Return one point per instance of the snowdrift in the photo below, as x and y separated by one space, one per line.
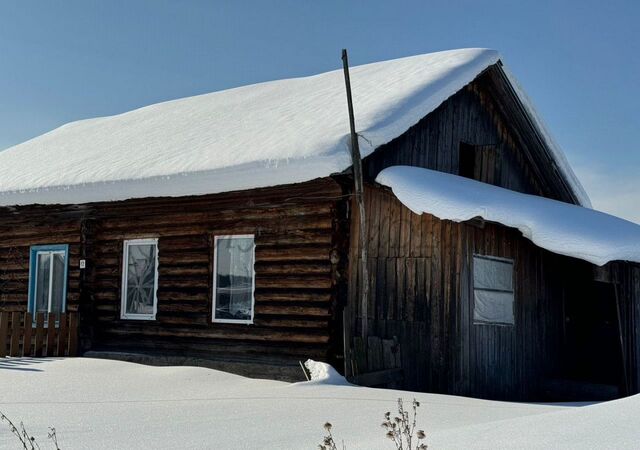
103 404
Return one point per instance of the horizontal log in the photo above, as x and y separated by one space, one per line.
263 268
261 295
182 296
297 193
264 254
257 351
219 228
291 282
291 323
291 296
292 310
189 271
235 332
185 219
30 228
45 238
188 315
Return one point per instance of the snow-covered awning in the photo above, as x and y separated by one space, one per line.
278 132
560 227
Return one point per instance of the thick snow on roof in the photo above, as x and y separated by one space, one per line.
261 135
556 226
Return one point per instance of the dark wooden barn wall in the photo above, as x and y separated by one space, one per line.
420 292
299 234
476 115
633 298
626 276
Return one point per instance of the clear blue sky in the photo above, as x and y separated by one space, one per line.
578 60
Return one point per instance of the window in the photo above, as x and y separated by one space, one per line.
493 290
467 161
233 279
140 279
478 162
48 279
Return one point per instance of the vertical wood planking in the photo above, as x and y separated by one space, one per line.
426 302
16 328
4 331
39 334
73 335
63 335
26 341
51 335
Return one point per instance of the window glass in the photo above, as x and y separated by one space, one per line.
48 271
492 274
493 291
139 284
234 278
43 272
57 281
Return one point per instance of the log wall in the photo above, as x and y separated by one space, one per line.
300 236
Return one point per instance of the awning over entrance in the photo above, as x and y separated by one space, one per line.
559 227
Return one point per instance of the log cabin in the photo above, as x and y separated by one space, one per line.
222 230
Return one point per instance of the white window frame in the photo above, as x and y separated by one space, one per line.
513 291
125 261
215 277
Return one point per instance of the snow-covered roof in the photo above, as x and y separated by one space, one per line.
261 135
560 227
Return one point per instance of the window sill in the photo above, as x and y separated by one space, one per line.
239 322
495 324
137 317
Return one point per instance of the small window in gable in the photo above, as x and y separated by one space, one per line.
139 279
493 292
467 161
478 162
48 279
233 279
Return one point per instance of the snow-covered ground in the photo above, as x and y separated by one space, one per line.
100 404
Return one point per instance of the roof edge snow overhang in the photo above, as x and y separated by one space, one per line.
559 227
102 182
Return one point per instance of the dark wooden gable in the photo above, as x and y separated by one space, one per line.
484 130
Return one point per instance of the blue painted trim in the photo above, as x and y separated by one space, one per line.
34 250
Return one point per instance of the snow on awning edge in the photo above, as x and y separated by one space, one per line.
559 227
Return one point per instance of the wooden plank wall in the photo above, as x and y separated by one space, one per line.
480 115
300 246
634 329
627 277
421 293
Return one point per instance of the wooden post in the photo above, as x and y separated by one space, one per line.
62 335
15 334
623 353
26 340
359 196
73 334
51 334
4 330
39 334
